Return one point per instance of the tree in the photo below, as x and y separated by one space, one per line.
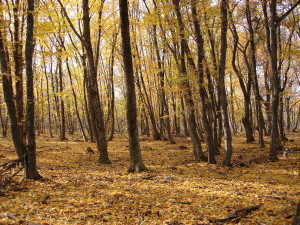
188 97
136 162
272 43
223 48
26 154
31 169
205 102
253 72
94 104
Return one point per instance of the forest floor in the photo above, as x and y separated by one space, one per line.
176 190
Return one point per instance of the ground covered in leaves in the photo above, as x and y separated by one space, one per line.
176 190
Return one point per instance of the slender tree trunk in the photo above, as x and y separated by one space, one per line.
4 122
233 122
176 127
218 127
288 113
214 113
205 102
281 120
18 61
136 162
95 107
246 87
31 172
76 104
267 103
62 135
164 111
275 142
224 104
297 119
184 119
112 88
260 118
147 100
86 103
188 97
8 94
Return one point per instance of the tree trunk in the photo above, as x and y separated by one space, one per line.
224 104
246 87
188 97
48 100
4 122
8 94
147 99
18 61
31 170
62 135
288 113
205 102
275 142
136 162
95 107
214 113
86 103
259 115
76 104
112 88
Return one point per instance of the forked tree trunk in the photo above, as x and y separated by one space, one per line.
136 162
205 102
188 97
8 93
259 115
246 87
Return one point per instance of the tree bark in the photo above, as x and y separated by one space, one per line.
259 115
275 142
136 162
76 104
246 87
205 102
62 135
224 104
95 107
188 97
31 170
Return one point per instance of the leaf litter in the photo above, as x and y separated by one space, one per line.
175 190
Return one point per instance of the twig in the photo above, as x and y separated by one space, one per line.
20 221
240 213
279 197
149 177
184 203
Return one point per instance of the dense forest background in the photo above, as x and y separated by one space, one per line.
203 69
216 73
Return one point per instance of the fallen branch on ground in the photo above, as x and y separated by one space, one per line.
10 216
7 172
239 213
279 197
